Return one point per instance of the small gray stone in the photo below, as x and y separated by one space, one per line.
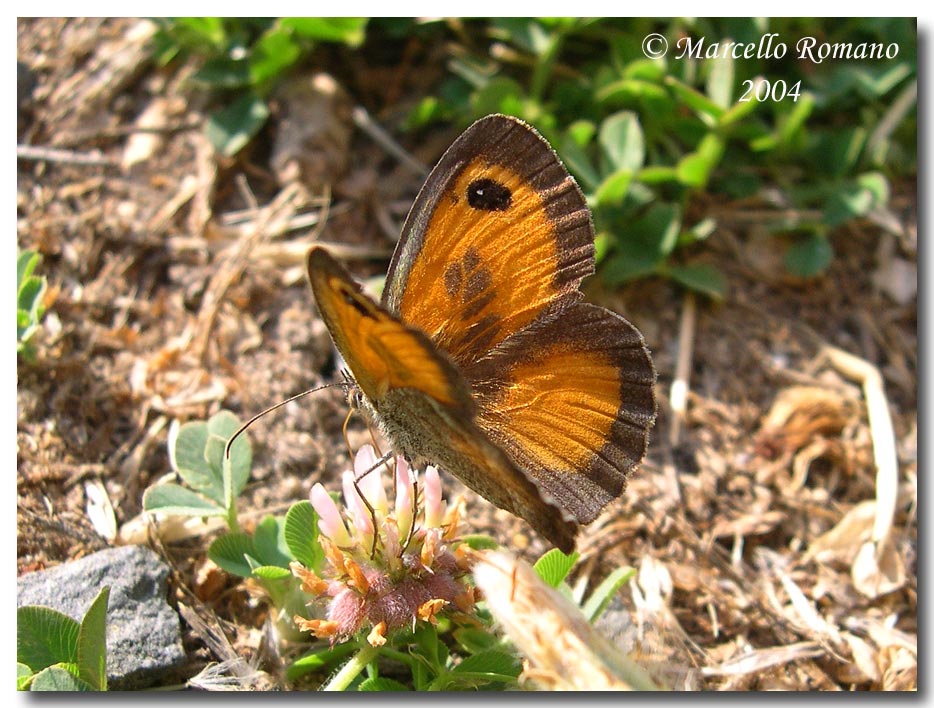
143 635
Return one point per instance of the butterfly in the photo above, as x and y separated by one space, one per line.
481 358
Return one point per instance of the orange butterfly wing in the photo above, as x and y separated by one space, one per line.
571 401
483 361
381 351
499 235
422 401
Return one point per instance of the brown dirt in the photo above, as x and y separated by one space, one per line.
172 295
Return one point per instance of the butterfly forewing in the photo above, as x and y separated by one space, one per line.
499 236
382 352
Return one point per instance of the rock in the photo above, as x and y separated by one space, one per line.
143 633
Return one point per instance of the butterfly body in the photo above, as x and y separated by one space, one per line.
481 359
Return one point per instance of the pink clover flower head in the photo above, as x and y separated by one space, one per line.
385 568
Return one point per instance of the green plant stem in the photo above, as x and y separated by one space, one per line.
232 522
349 671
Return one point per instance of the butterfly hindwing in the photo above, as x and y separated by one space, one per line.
570 400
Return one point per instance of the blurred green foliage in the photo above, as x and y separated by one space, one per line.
30 305
246 58
646 138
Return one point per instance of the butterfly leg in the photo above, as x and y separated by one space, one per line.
369 507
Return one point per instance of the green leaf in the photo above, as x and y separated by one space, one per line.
45 637
475 640
479 542
613 189
231 128
29 307
56 678
605 591
630 91
554 566
601 244
694 169
846 202
622 142
430 647
658 174
301 535
581 133
700 277
206 31
706 109
579 164
230 551
170 498
855 198
381 683
238 466
526 33
269 542
735 113
224 73
472 70
272 54
188 455
624 267
271 572
29 291
30 297
347 30
235 470
493 664
790 127
23 676
26 262
92 643
837 151
875 82
646 69
659 228
810 256
877 185
499 95
222 425
428 110
319 659
720 80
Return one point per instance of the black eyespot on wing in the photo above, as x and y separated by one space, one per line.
488 195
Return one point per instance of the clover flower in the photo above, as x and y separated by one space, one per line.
386 568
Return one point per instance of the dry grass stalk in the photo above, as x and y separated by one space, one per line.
564 651
878 568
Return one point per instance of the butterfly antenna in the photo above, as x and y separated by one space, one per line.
272 408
